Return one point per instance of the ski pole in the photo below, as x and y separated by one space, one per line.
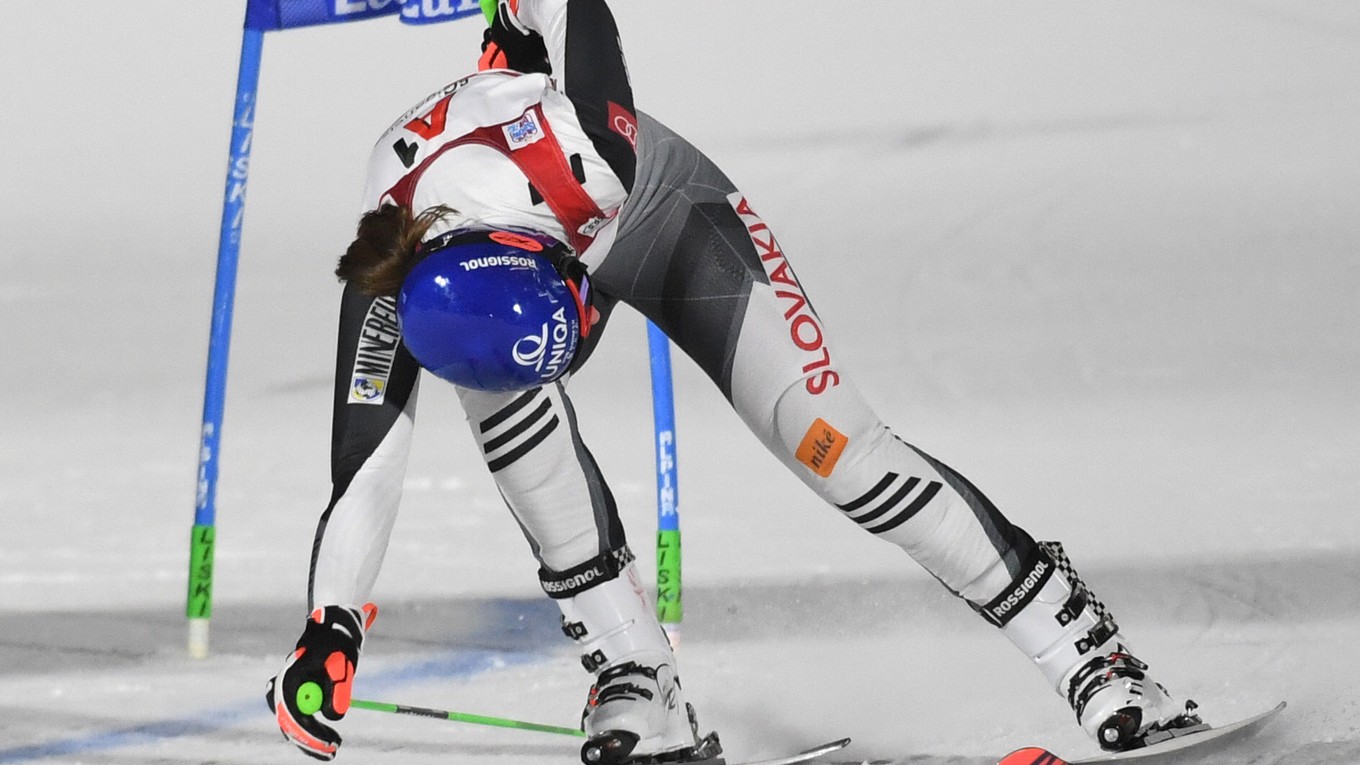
463 717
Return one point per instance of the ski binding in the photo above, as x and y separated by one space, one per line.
709 752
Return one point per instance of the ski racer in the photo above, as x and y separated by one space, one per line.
505 216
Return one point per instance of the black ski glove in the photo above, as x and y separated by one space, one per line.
505 47
318 678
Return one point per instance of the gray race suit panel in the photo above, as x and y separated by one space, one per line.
692 257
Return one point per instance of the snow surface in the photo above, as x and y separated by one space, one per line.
1104 258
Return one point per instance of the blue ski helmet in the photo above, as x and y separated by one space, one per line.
495 310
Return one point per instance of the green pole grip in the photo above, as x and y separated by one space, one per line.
669 607
199 603
489 10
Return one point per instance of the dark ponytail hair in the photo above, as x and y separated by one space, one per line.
386 248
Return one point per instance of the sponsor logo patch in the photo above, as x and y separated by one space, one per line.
523 132
378 341
367 390
550 350
564 584
592 227
495 261
821 447
1008 604
623 122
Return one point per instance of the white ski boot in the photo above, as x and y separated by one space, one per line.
635 712
1077 646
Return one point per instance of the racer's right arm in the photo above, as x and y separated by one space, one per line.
375 401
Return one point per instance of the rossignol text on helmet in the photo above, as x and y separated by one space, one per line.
495 310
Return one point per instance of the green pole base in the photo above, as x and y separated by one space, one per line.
669 605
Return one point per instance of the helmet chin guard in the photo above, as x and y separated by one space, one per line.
495 310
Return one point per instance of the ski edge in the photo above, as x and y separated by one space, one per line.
806 755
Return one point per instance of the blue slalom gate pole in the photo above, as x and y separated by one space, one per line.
261 16
669 606
198 608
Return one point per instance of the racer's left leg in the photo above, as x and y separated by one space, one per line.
694 257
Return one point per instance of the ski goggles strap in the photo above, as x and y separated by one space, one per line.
573 272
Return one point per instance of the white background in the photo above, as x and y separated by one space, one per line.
1104 259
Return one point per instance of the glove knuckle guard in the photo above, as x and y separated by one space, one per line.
326 655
